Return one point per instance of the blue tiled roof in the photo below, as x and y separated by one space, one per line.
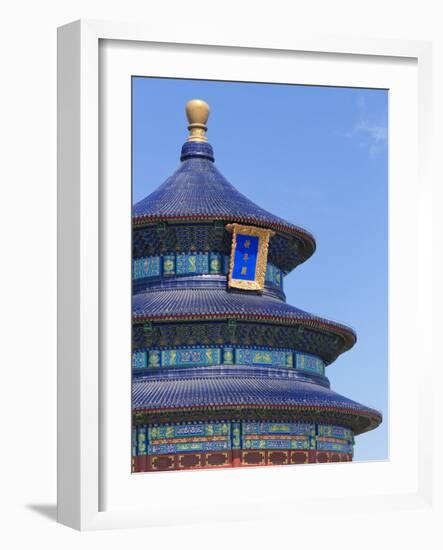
212 303
230 391
197 190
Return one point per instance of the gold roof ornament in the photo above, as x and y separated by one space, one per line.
197 112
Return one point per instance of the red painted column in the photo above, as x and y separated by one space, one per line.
236 458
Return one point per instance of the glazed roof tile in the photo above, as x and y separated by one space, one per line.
242 391
198 191
197 188
193 303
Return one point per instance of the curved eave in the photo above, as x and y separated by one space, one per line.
207 305
287 230
348 336
366 420
249 395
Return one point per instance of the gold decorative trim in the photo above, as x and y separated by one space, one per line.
279 451
225 464
262 255
196 455
296 454
156 458
254 452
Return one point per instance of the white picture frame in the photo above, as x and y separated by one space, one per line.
94 495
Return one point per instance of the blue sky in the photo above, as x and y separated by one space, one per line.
316 156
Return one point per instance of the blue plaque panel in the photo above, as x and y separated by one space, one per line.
245 257
249 256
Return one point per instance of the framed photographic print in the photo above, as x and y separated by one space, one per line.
207 367
226 373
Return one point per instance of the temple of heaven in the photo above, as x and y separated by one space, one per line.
225 372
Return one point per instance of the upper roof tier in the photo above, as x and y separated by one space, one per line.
198 192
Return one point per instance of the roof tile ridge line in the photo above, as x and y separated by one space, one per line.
151 378
362 409
292 320
138 219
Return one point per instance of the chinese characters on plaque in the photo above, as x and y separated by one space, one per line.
249 256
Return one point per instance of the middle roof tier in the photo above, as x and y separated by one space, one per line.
217 304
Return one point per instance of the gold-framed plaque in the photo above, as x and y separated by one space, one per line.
249 256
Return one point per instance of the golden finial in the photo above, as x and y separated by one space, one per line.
197 112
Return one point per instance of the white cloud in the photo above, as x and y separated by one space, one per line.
372 134
376 132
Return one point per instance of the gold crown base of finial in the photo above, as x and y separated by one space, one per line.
197 132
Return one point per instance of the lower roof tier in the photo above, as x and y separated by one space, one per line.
201 304
161 399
